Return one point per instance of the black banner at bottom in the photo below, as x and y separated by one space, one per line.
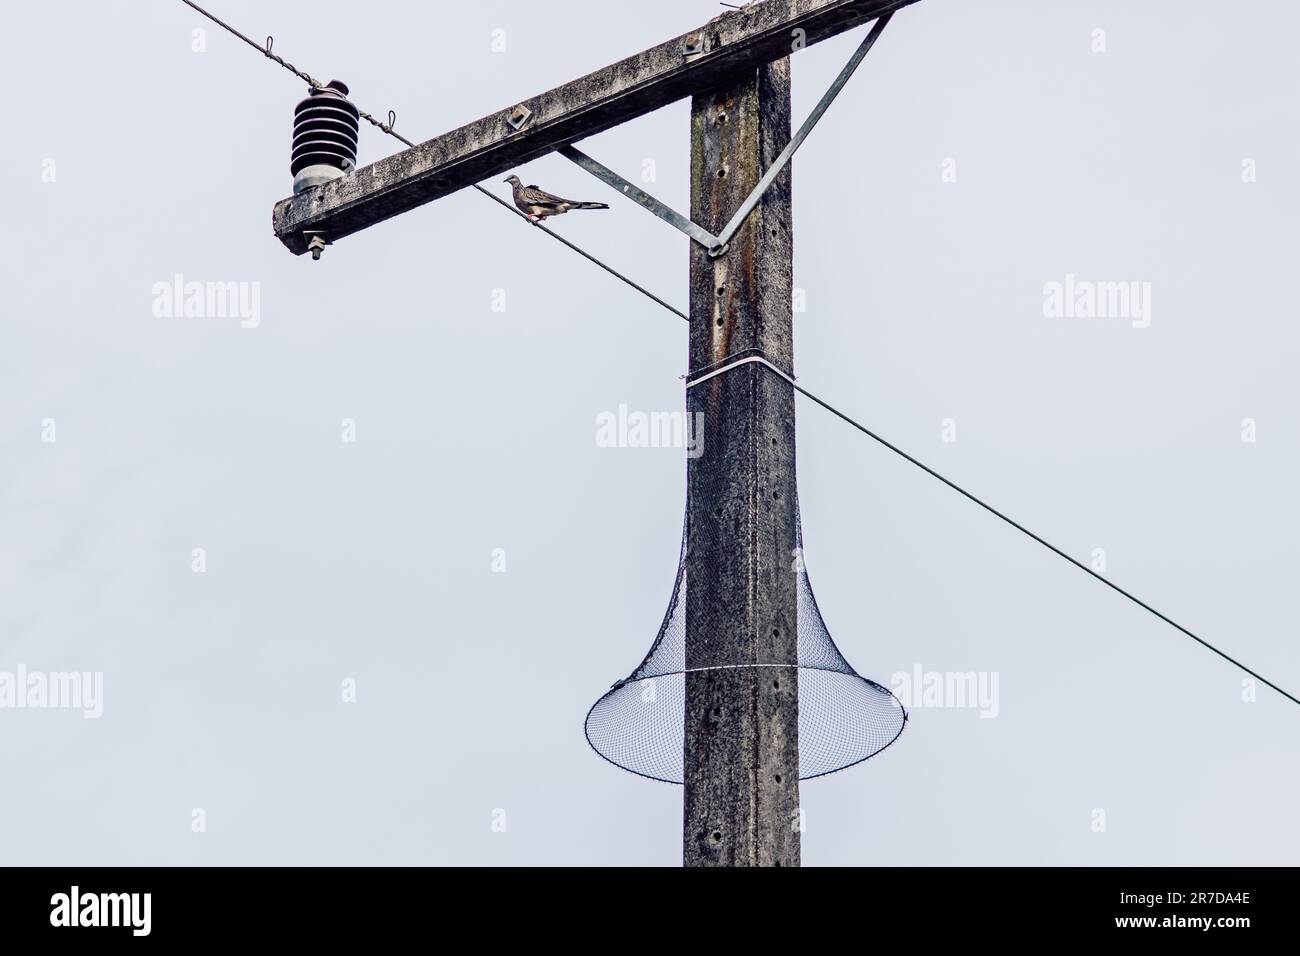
337 906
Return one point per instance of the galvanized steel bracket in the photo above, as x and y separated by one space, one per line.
719 244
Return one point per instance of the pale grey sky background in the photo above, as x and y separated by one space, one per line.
476 430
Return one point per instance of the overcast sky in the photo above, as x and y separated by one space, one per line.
1160 152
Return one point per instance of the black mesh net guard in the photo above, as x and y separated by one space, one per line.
844 718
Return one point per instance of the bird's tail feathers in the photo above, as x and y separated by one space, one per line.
590 205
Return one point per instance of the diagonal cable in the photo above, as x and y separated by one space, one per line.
1046 544
755 356
387 127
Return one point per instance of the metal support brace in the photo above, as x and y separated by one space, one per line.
638 195
718 245
823 104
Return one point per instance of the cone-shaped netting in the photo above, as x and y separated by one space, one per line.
844 718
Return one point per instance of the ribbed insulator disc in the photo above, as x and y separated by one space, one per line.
325 131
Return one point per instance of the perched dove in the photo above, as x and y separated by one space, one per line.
538 204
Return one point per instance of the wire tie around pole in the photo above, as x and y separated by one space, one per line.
735 362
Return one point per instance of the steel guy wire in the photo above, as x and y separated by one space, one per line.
746 358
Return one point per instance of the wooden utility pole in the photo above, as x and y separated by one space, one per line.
742 722
741 741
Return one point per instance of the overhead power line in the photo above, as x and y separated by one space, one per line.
1046 544
721 368
267 51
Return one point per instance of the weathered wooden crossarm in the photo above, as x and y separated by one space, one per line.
727 45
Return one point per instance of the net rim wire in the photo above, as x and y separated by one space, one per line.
586 721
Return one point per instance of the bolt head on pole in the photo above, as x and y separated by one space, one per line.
316 246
